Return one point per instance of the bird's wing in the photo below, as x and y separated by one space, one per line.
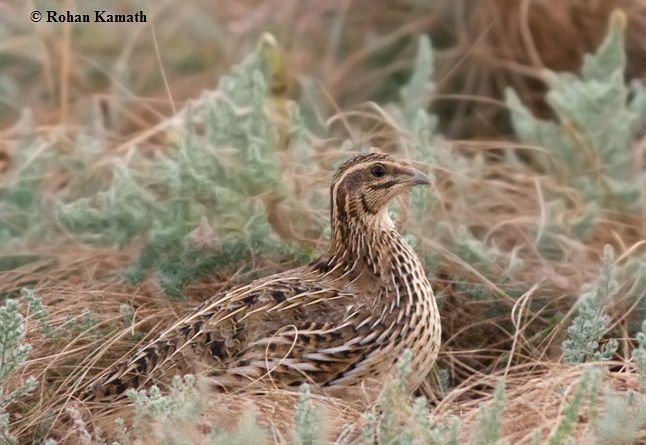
232 325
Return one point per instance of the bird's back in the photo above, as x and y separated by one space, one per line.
277 325
290 328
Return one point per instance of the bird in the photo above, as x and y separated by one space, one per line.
346 317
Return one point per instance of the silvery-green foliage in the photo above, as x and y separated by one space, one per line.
128 319
368 429
412 115
88 320
488 432
622 417
151 401
417 93
247 431
224 163
398 420
606 283
639 356
123 433
555 226
127 314
26 200
634 273
20 187
445 432
37 311
6 438
632 276
420 414
113 216
585 333
423 150
588 385
13 353
309 422
587 329
590 145
394 406
183 402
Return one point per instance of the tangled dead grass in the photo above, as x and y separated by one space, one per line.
481 50
536 396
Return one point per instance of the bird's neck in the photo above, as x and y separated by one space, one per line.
368 244
364 242
359 241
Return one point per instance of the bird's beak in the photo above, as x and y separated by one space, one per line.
418 178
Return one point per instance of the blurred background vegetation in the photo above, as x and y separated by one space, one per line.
144 167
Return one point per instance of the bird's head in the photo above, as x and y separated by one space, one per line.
365 184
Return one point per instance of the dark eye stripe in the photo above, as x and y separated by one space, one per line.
383 185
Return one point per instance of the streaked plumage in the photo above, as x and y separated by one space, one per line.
343 318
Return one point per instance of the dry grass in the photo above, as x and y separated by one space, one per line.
482 48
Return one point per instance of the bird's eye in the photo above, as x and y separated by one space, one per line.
378 170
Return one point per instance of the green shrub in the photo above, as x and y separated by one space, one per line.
13 353
37 311
181 406
587 386
488 432
397 419
26 198
589 326
623 416
639 356
201 205
632 276
309 422
591 144
247 431
21 194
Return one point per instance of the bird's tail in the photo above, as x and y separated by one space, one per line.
139 368
134 372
